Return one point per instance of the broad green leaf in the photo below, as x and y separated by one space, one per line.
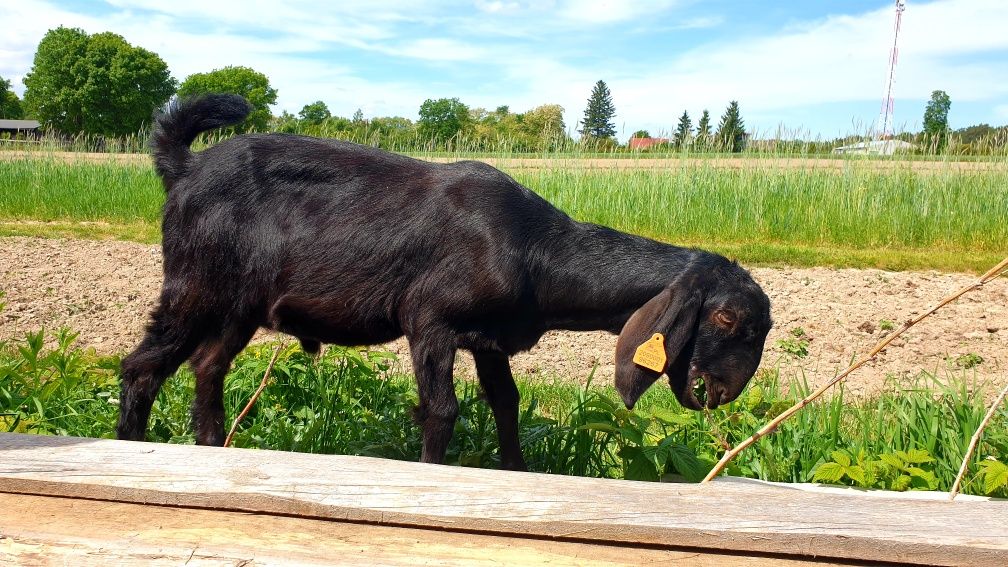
900 483
916 456
856 473
639 467
671 417
841 457
829 473
604 427
892 460
685 462
995 475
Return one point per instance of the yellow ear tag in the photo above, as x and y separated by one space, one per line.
651 353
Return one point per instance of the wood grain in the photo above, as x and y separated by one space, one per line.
46 530
722 515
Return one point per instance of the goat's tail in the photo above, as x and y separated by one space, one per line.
177 126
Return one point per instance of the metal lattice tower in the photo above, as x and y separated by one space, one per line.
885 121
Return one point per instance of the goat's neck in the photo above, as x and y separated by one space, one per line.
594 278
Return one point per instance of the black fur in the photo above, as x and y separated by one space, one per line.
334 242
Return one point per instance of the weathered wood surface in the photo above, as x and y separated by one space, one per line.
723 515
46 530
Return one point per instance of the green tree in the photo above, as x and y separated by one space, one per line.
703 132
731 131
315 113
97 84
936 119
358 116
684 131
443 119
249 83
10 104
599 114
641 134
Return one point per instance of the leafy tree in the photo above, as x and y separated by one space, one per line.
10 104
358 116
315 113
286 122
443 119
598 116
936 118
703 133
97 84
641 134
684 131
249 83
545 120
731 131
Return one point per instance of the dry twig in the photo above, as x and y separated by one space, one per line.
770 427
974 441
255 396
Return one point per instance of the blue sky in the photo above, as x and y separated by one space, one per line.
816 68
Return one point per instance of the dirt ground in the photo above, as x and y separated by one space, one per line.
105 289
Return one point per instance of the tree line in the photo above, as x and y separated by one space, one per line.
101 85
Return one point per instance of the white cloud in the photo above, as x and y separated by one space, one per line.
612 11
839 59
533 56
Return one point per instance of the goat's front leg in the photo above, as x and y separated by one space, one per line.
498 384
433 356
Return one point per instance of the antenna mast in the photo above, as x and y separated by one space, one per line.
886 114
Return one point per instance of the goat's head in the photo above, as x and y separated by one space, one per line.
713 321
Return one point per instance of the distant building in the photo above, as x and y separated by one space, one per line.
877 147
27 128
646 143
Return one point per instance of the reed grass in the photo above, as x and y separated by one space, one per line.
943 217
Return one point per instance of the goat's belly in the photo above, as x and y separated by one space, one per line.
307 318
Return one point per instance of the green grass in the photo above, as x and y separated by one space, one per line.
858 216
356 402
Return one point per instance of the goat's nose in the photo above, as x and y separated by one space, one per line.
716 395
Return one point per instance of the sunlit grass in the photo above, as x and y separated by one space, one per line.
349 401
898 217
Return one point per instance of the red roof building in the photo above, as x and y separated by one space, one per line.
646 143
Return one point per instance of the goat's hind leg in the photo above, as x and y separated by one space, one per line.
168 342
211 363
433 356
498 384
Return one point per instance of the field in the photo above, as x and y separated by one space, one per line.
886 214
777 213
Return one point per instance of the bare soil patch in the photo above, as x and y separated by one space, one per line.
104 290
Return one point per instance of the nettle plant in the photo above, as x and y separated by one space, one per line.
900 470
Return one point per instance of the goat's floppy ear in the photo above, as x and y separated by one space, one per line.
673 313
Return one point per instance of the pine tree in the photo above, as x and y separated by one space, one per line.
703 133
684 131
598 115
731 132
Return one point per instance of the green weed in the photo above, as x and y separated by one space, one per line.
352 401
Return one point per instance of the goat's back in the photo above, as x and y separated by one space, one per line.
260 216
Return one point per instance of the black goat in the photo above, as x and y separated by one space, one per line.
334 242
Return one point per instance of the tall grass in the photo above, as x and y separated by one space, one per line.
356 402
51 189
899 216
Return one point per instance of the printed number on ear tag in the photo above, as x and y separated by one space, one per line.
651 353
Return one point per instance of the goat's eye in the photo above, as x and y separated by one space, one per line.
724 318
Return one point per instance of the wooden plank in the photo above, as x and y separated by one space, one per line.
46 530
724 515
